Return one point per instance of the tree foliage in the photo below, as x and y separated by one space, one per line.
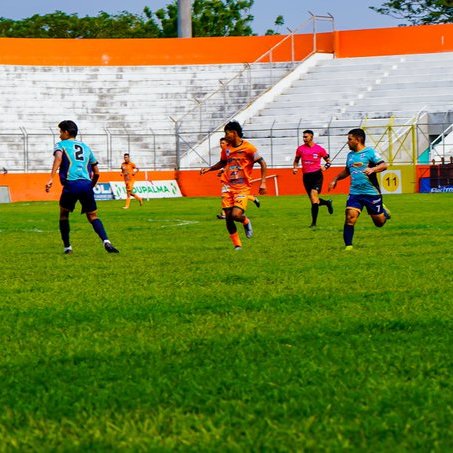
419 12
209 18
279 22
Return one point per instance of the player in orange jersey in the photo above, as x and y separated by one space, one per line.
251 197
128 172
237 159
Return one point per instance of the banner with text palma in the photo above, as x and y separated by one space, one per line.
147 189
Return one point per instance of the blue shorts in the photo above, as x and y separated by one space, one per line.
373 203
79 190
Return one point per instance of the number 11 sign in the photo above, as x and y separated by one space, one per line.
390 181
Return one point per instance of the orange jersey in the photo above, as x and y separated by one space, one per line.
240 161
128 171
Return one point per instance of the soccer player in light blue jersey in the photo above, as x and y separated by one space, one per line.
362 164
79 173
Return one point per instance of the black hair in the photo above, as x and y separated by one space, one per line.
308 131
234 126
358 133
223 139
69 126
126 154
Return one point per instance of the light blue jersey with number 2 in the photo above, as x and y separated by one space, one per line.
76 161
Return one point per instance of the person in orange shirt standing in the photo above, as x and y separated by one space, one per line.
128 172
251 197
237 159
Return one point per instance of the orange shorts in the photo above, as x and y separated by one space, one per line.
129 186
231 199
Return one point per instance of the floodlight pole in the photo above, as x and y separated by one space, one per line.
184 18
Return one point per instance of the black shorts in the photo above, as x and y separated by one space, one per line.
79 190
313 181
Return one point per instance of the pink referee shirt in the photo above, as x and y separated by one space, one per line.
311 157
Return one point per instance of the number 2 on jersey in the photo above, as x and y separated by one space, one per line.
79 152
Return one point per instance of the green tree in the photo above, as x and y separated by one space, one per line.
419 12
62 25
209 18
279 22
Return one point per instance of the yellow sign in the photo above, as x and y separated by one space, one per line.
391 181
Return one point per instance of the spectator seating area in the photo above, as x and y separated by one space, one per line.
118 109
138 108
341 94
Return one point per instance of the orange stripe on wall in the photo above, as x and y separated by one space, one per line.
31 186
220 50
192 184
164 51
394 41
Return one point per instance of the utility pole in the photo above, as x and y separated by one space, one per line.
184 18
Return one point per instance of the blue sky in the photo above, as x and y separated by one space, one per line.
348 14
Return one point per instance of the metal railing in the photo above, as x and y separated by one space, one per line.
31 151
232 95
26 151
397 142
439 148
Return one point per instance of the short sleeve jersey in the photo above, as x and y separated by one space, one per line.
127 169
77 159
311 157
239 167
357 162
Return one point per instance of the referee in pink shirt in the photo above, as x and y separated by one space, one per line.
310 155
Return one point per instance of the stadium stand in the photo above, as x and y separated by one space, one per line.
165 101
337 95
132 105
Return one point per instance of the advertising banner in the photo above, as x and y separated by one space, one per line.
442 189
147 189
103 191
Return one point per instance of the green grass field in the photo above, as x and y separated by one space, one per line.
180 343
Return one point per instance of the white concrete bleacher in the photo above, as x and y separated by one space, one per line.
118 109
336 96
130 109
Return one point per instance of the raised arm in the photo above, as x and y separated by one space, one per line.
382 166
55 166
220 164
328 163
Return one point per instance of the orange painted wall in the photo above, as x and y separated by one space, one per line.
174 51
394 41
30 187
192 184
166 51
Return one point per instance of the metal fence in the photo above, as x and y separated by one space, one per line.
245 86
398 143
29 151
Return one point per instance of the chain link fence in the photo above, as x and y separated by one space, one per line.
398 143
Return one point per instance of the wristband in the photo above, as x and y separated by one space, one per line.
327 165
